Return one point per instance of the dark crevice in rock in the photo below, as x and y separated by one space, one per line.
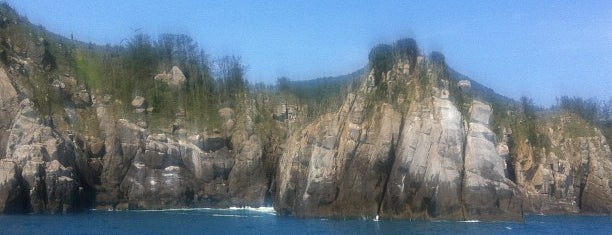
583 181
388 168
21 203
511 168
462 203
270 169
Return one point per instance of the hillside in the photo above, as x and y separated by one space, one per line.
157 123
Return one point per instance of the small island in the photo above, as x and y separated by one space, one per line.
156 123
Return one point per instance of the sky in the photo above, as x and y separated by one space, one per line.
539 49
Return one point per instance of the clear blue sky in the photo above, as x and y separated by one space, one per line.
541 49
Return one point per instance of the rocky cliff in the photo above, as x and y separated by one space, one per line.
411 141
572 174
48 170
413 157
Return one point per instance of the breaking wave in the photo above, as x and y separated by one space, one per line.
268 210
470 221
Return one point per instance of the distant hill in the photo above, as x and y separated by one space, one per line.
324 87
481 91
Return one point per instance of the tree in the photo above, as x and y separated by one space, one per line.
230 76
283 84
587 109
177 49
529 108
407 47
528 127
606 109
141 59
203 80
381 60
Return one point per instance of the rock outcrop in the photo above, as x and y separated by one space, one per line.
338 166
45 161
425 163
487 189
426 180
11 193
143 170
572 175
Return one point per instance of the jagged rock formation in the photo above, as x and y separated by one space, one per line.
487 188
423 163
45 162
410 142
143 170
573 175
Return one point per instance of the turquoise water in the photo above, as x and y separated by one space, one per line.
264 221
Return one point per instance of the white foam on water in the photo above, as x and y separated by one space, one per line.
470 221
269 210
172 209
224 215
264 210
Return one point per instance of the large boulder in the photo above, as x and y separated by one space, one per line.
177 76
139 104
174 78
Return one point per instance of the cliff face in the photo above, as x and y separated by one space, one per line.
572 175
40 166
46 170
425 162
406 144
143 170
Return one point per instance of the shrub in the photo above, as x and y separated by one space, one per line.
408 48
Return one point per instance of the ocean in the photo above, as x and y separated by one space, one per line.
265 221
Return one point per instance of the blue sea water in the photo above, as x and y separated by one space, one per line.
265 221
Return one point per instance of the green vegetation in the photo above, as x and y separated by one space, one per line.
407 49
396 90
89 67
383 56
578 128
606 129
123 72
501 114
381 61
597 113
527 128
585 108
